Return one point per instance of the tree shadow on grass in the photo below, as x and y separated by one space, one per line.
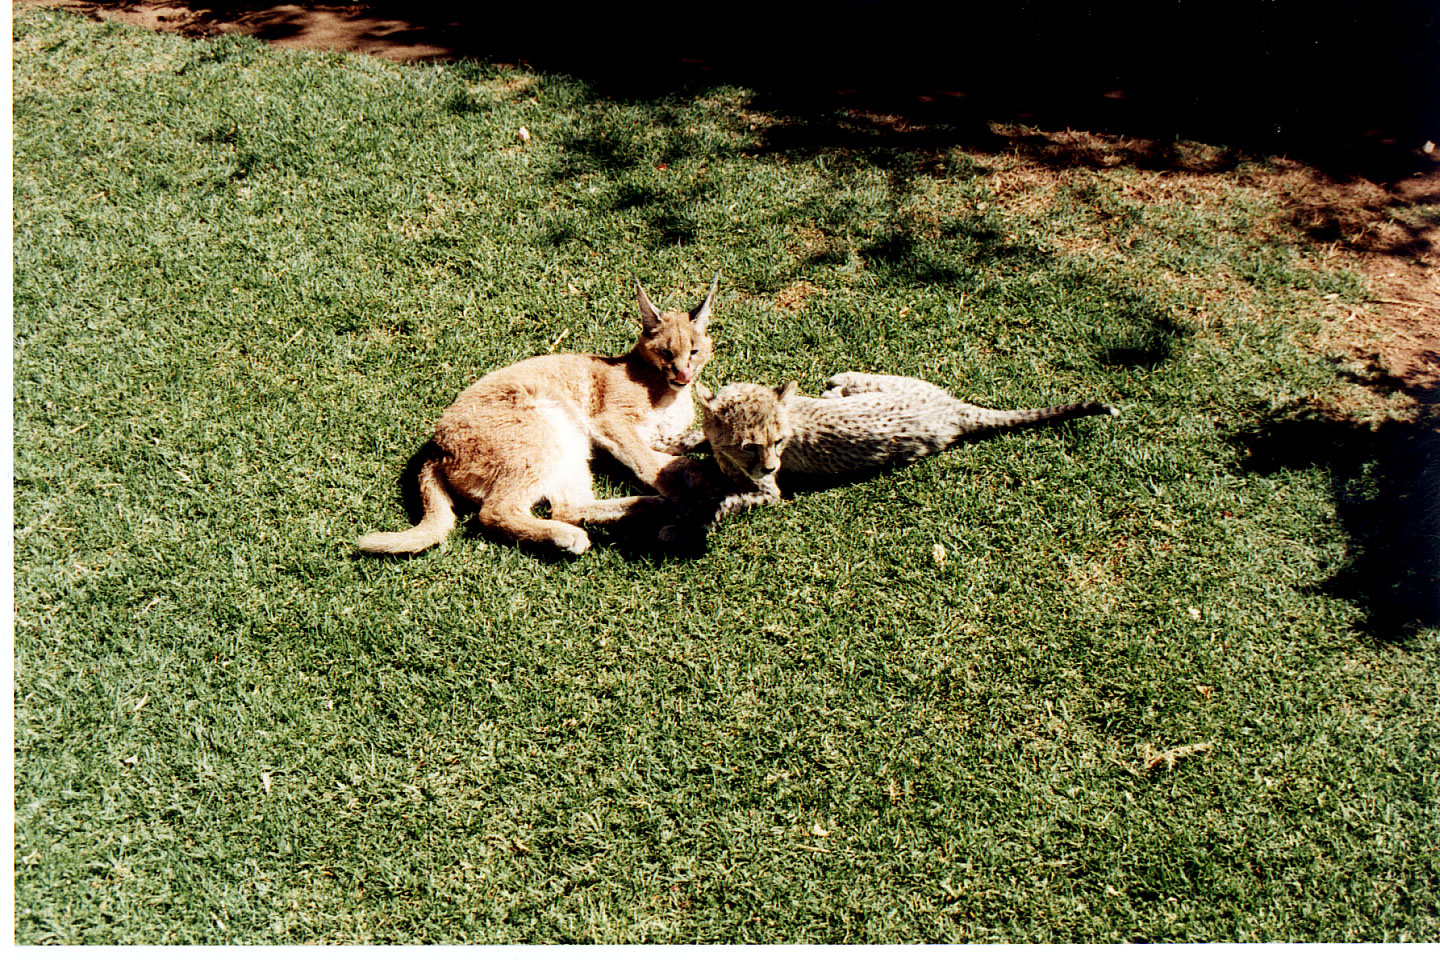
1385 483
927 80
937 74
925 77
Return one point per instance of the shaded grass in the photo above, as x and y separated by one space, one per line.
247 282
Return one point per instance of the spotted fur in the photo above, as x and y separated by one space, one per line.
862 423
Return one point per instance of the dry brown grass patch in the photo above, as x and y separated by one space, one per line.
1152 759
1390 234
796 295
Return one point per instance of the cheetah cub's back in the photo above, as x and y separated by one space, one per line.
868 421
861 423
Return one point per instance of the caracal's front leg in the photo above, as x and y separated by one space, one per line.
606 512
623 442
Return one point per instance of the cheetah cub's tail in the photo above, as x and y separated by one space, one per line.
980 418
434 526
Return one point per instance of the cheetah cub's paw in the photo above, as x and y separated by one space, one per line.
687 442
846 384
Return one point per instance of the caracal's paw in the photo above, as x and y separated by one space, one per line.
574 542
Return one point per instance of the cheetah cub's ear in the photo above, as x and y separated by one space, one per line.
707 399
786 392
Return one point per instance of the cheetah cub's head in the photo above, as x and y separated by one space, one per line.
747 426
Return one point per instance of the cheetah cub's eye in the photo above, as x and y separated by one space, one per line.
667 355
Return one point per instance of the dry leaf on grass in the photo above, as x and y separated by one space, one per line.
1151 758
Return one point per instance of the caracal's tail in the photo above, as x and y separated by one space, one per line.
974 419
434 526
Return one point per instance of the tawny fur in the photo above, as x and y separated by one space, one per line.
525 434
862 423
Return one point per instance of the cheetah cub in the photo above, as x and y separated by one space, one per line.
861 424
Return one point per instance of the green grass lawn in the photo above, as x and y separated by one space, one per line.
248 281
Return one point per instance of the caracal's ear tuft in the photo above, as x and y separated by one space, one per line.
707 399
786 392
649 316
700 316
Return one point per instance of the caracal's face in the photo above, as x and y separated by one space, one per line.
675 342
748 429
677 347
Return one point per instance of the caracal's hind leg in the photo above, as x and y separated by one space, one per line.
850 383
513 520
526 454
507 503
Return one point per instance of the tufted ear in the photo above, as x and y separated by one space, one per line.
707 399
786 392
700 316
649 316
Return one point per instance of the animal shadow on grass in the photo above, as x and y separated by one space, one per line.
1385 482
1144 339
691 518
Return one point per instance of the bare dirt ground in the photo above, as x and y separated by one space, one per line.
1385 233
1383 225
353 28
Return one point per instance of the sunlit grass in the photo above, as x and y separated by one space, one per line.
246 282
